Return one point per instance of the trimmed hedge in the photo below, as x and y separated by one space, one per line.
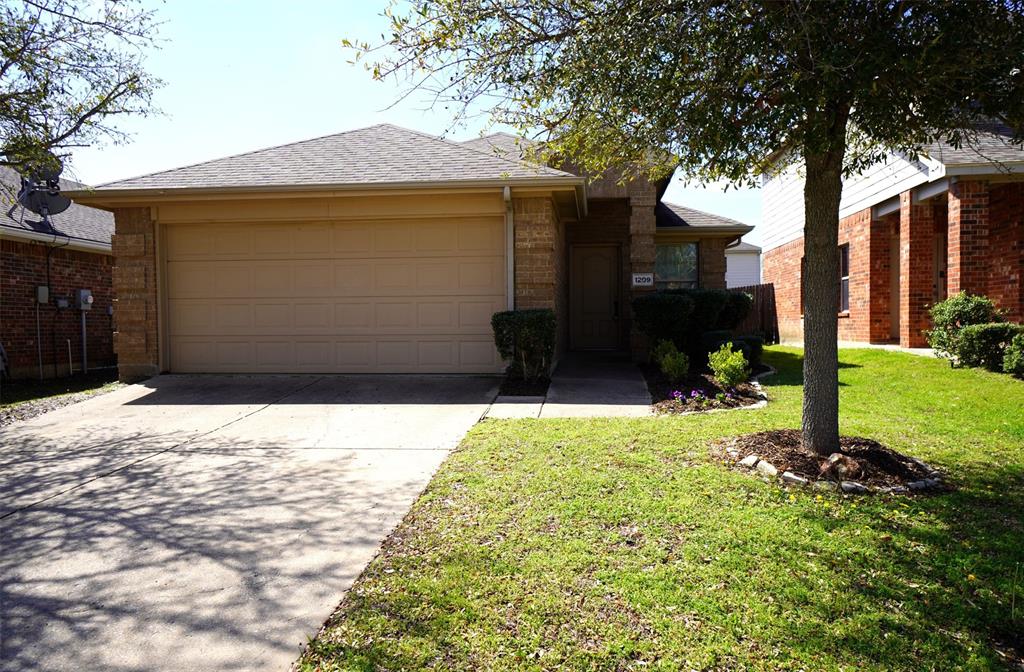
985 345
1013 358
951 316
526 340
684 315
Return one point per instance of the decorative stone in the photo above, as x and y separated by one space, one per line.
932 482
898 490
767 468
749 461
854 488
917 485
793 479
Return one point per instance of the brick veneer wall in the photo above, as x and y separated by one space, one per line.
868 319
135 285
1006 242
540 260
711 256
22 269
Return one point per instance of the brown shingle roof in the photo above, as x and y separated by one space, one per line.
991 145
672 216
377 155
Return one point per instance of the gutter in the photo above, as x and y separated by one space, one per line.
103 196
80 244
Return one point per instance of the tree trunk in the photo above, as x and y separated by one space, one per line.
822 191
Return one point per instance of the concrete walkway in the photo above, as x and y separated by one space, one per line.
209 522
855 345
596 385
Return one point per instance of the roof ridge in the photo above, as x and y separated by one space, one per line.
248 153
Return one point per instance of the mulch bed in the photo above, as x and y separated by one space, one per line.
697 392
515 387
876 466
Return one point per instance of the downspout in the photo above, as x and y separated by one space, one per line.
510 250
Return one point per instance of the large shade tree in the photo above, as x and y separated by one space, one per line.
727 90
69 69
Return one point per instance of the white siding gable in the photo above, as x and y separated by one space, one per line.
742 268
783 195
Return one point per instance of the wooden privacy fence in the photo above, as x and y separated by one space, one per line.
763 319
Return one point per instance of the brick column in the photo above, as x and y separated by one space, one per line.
968 237
711 256
878 280
135 292
642 224
536 262
917 233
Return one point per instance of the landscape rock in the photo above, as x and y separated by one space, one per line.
917 485
854 488
749 461
793 479
767 468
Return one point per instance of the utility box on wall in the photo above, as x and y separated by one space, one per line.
83 299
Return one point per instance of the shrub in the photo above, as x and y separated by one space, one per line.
661 349
526 340
729 366
984 345
663 316
737 306
949 317
1013 358
754 350
684 315
675 366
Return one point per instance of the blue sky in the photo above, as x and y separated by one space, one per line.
241 75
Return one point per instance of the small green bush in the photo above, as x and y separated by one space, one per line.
949 317
984 345
675 366
661 349
663 316
526 340
729 366
751 346
1013 358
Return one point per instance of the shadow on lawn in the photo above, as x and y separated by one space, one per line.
790 368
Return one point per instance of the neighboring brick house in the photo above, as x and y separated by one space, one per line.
40 339
385 250
911 232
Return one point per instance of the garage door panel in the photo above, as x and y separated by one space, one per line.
393 296
318 355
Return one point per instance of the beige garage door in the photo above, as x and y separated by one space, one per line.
400 296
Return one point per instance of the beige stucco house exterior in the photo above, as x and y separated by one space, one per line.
384 250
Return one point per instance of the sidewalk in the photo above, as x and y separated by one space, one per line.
853 345
584 385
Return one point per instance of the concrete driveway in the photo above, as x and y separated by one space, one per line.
209 522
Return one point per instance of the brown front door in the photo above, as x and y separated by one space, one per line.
594 297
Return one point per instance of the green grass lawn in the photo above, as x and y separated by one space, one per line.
617 544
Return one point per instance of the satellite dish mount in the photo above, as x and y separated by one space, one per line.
40 192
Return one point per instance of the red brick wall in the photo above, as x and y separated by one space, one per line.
540 260
781 267
22 269
1006 243
868 317
711 253
968 221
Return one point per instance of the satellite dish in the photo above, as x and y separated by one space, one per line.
40 192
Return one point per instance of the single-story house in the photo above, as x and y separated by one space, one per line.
385 250
912 231
742 265
41 334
